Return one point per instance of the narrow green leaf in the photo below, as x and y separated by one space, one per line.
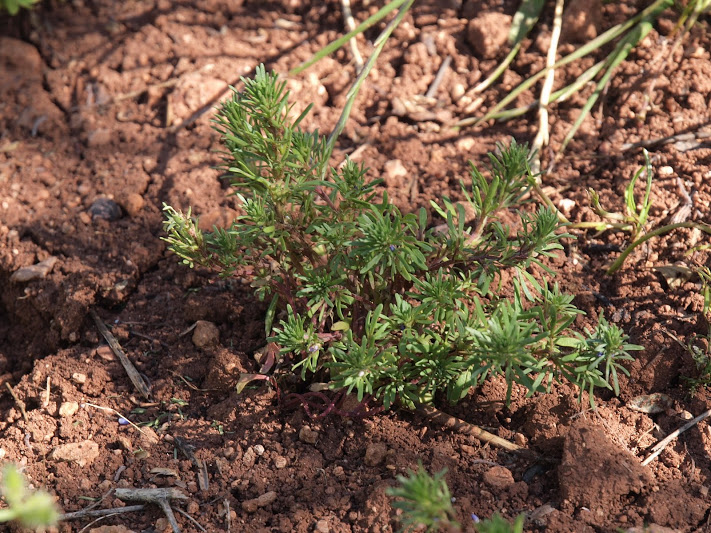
335 45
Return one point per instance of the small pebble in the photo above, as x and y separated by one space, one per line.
265 499
228 452
498 477
104 351
105 209
394 171
280 462
308 435
249 457
665 171
259 449
79 378
32 272
322 526
162 524
465 144
68 409
566 205
133 204
375 453
205 334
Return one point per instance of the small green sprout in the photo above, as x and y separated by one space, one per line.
13 6
31 509
425 500
699 347
635 219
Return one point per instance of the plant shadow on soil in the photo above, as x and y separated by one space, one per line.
70 136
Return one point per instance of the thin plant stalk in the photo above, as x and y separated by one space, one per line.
338 43
523 21
355 88
561 95
593 45
622 50
657 232
542 136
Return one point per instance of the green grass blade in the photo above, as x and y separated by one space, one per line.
591 46
523 21
355 88
338 43
619 54
499 70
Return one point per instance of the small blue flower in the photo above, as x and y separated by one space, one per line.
122 421
475 518
314 348
393 247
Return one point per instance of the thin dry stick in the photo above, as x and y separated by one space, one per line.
542 137
659 447
93 513
160 497
227 514
466 428
20 404
350 26
112 410
131 371
186 515
439 77
47 392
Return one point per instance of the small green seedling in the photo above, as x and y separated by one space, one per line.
699 347
31 509
425 501
498 524
13 6
634 220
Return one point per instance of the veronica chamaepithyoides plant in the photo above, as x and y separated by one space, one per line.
375 301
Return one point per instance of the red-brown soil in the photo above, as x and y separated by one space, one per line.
112 100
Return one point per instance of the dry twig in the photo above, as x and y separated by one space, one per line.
20 404
542 137
350 26
659 447
160 497
93 513
466 428
131 371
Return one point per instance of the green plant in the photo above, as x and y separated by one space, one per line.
498 524
31 509
374 301
704 274
13 6
623 37
634 220
699 347
424 500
